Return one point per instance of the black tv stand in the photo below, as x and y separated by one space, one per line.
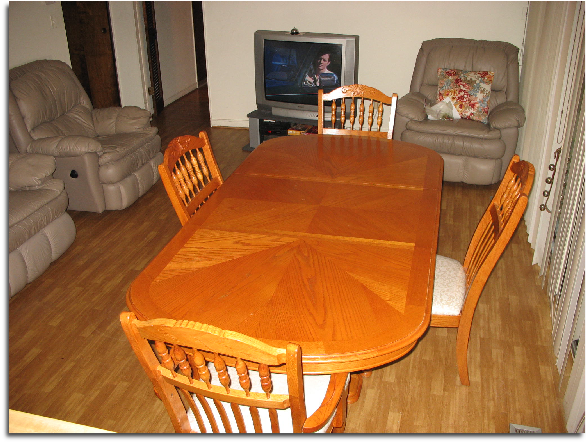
263 125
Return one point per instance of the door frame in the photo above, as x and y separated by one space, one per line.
143 58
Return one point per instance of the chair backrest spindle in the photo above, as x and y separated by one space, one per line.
190 174
378 105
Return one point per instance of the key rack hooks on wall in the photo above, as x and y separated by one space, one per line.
549 180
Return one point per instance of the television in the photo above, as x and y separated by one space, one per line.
290 67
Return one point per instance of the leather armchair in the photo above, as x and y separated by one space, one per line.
473 152
39 228
107 158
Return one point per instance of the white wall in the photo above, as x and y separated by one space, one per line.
36 31
390 36
176 49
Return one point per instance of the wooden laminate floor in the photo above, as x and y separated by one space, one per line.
69 358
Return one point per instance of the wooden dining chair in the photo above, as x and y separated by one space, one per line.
349 117
190 173
214 380
458 287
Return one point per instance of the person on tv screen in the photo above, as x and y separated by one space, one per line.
319 73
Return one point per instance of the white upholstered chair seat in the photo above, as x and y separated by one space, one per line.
314 387
449 288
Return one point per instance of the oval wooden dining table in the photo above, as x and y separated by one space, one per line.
325 241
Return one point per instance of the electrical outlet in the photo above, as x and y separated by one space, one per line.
516 428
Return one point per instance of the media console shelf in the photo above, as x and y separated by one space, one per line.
263 125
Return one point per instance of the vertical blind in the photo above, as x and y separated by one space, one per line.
553 95
564 257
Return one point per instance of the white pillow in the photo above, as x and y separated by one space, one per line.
444 110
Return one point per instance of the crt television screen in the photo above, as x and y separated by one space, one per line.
294 71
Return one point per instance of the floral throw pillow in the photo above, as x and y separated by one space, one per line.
468 90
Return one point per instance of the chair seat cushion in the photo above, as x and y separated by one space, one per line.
125 153
449 287
117 146
314 387
463 127
455 144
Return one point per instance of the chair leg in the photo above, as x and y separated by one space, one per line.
462 351
339 423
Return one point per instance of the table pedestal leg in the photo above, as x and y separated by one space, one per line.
356 385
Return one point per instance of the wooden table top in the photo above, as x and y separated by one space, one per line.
326 241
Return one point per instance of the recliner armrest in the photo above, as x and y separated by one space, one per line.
66 146
412 106
116 120
507 114
29 171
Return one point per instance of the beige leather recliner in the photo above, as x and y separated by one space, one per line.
39 228
107 158
473 152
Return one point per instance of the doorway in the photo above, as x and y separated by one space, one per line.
200 44
91 50
156 32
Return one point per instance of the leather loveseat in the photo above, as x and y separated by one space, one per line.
107 158
39 228
474 152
